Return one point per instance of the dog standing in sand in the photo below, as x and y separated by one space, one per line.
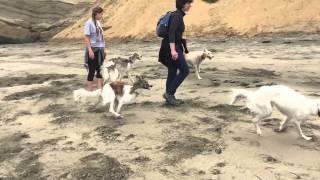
125 65
195 58
296 107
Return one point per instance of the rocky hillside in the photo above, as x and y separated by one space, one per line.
31 20
136 19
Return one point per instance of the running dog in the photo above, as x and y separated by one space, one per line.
296 107
123 94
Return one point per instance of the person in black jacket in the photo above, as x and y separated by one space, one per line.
172 52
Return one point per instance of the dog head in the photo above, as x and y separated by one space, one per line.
207 54
134 57
141 83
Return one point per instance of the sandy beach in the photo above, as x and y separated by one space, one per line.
44 134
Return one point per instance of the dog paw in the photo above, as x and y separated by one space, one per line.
307 138
116 114
259 133
278 130
199 78
119 116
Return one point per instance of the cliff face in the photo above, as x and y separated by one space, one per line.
137 18
31 20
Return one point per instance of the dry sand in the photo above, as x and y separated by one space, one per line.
44 134
137 19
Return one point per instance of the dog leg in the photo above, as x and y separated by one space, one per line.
297 123
82 99
120 76
119 107
130 77
197 71
256 120
284 123
111 110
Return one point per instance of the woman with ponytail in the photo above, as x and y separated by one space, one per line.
95 44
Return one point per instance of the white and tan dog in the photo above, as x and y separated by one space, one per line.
195 58
296 107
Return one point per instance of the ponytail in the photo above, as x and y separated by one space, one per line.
96 11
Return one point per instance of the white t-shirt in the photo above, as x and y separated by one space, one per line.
90 30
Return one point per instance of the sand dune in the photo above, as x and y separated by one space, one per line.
136 19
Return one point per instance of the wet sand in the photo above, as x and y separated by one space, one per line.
44 134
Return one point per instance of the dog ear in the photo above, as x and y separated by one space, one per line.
138 77
203 56
134 55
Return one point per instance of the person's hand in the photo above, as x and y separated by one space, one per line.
91 54
174 55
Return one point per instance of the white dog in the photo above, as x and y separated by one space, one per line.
82 95
124 94
195 58
296 107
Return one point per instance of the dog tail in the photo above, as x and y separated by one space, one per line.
76 96
237 94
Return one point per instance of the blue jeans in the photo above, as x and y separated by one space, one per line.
174 79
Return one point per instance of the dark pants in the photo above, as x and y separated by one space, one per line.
174 79
94 67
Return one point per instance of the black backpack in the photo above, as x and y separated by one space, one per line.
163 25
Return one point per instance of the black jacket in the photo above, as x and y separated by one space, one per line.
176 29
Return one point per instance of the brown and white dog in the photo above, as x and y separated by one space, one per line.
195 58
123 94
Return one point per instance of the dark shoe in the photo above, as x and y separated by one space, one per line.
170 99
179 100
165 97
